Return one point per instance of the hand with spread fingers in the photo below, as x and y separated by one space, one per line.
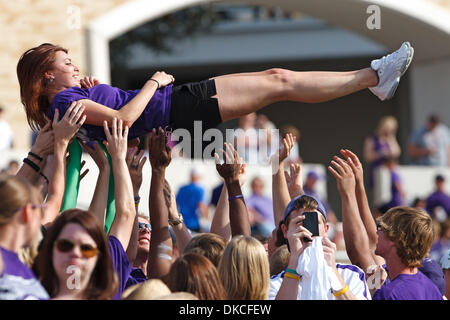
70 123
89 82
343 173
294 180
354 163
117 140
232 167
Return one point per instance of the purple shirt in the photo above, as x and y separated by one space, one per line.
121 264
437 199
17 281
408 287
262 204
156 113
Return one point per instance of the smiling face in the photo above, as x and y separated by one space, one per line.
64 73
67 264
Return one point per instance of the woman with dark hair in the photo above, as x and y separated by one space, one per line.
49 81
196 274
20 221
74 261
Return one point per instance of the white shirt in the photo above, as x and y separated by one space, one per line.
6 135
352 275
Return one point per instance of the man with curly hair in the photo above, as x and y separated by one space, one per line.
405 236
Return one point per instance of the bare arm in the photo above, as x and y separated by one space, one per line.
130 112
160 257
229 171
125 211
100 198
179 228
280 191
64 131
356 239
135 163
220 224
42 147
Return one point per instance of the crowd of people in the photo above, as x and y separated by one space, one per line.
282 247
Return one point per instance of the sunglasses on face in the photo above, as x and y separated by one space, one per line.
147 225
87 250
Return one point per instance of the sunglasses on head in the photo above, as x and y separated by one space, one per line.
147 225
87 250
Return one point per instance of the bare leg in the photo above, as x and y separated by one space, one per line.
240 94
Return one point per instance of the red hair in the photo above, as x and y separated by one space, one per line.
33 85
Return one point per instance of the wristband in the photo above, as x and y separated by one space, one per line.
157 83
34 155
137 199
235 197
339 293
292 276
292 271
32 164
176 222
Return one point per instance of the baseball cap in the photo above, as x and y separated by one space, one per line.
313 175
439 177
433 271
292 206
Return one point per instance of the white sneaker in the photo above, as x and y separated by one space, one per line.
389 70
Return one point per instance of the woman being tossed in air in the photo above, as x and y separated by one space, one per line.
49 80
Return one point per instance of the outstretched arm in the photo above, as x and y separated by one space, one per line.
41 149
130 112
356 240
229 171
100 198
125 212
175 219
64 131
280 191
135 162
160 257
220 224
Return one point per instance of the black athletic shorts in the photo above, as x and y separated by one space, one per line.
192 102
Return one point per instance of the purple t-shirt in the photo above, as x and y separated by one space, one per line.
156 113
17 281
262 204
121 264
437 199
408 287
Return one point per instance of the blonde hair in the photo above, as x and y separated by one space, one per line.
412 232
387 121
279 260
15 193
244 269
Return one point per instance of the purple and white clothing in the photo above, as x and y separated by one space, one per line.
408 287
17 281
120 262
352 275
156 113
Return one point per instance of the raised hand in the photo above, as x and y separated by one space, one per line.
159 152
70 123
97 154
135 163
89 82
232 166
116 141
354 163
343 173
294 180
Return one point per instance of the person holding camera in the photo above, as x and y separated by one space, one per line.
304 219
